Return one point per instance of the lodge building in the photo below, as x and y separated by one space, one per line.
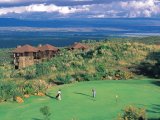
79 46
27 55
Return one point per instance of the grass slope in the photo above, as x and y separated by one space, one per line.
77 102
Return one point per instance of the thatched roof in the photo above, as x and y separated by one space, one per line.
78 46
47 47
25 48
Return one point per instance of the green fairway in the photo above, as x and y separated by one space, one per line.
78 104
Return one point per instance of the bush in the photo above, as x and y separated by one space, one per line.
101 68
29 75
40 86
101 71
149 68
119 75
17 73
28 88
64 79
34 87
1 73
82 77
97 76
46 113
133 113
42 69
128 75
90 54
8 91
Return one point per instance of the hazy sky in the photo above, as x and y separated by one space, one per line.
50 9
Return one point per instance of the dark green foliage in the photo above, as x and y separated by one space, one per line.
148 69
133 113
83 77
89 54
29 75
45 112
156 70
116 50
101 69
61 79
28 88
8 91
42 69
5 56
64 79
97 76
16 74
151 66
86 77
146 40
2 73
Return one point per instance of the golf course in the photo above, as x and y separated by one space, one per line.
78 104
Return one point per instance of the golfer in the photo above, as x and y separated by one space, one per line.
58 96
93 93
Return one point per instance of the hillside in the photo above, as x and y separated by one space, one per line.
103 62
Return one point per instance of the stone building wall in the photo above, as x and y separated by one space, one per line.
25 61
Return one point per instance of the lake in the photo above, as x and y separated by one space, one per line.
63 32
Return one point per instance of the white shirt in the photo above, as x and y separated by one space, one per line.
59 92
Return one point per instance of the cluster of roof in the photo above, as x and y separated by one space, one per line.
78 46
47 47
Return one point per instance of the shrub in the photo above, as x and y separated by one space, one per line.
65 79
45 112
28 88
34 87
8 91
83 77
119 74
101 68
128 75
17 73
86 77
101 71
40 86
42 69
29 75
1 73
89 54
97 76
133 113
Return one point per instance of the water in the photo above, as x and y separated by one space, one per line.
63 32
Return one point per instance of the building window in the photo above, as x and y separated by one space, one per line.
17 54
26 54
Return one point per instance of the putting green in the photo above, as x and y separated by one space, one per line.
77 103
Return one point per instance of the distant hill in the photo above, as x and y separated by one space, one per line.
143 23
